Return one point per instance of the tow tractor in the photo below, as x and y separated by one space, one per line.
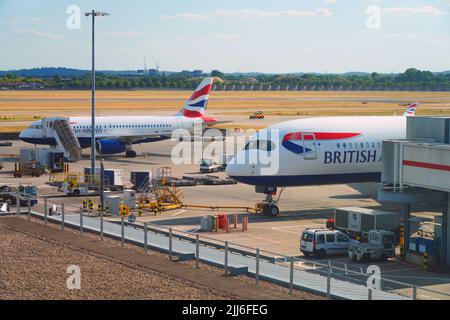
380 246
72 186
208 166
26 192
74 190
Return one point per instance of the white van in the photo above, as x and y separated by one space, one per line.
322 242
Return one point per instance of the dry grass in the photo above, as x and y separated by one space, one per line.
28 104
11 129
168 94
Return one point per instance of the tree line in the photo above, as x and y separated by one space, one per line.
411 79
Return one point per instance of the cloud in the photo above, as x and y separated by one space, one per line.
187 16
442 40
28 19
246 13
330 43
225 36
426 10
325 12
130 33
38 34
17 20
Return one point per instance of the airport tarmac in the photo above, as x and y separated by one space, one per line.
301 207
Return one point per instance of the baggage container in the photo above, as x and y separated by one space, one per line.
362 220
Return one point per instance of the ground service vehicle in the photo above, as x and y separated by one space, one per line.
74 190
256 115
30 168
27 192
380 246
322 242
208 166
357 222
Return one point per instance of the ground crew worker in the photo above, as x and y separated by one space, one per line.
84 204
140 209
91 204
99 207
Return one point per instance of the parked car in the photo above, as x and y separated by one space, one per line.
257 115
322 242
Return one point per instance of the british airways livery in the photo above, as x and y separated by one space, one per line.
315 151
117 134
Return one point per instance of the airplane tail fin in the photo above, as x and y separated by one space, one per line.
411 110
196 105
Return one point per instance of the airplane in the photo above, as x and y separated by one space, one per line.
117 134
315 151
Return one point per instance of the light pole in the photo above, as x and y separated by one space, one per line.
94 14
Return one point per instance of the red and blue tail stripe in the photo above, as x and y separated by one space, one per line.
196 105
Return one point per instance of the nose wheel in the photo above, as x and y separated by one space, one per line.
271 210
130 154
270 207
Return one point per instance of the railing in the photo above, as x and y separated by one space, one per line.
68 139
331 278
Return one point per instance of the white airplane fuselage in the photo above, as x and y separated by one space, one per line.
315 151
116 134
149 128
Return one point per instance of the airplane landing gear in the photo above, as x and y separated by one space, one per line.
130 154
270 205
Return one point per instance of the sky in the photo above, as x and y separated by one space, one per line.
327 36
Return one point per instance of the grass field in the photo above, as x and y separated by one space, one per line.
26 105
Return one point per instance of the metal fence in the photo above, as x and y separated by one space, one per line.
331 278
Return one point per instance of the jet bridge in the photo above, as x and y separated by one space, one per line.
60 130
417 171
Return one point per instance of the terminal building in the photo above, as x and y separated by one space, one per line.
416 174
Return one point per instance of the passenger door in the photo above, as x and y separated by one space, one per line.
331 245
343 243
309 145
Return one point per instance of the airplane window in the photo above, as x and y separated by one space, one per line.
373 144
362 145
379 145
367 145
338 145
265 145
344 145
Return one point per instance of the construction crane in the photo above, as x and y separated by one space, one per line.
145 64
155 62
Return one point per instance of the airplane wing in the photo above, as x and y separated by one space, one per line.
135 138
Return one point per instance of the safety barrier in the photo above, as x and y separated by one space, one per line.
333 279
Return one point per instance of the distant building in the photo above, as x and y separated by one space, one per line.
153 72
197 73
194 73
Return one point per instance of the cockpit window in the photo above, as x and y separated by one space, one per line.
265 145
36 126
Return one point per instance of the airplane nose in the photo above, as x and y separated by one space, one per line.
230 169
25 134
235 167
